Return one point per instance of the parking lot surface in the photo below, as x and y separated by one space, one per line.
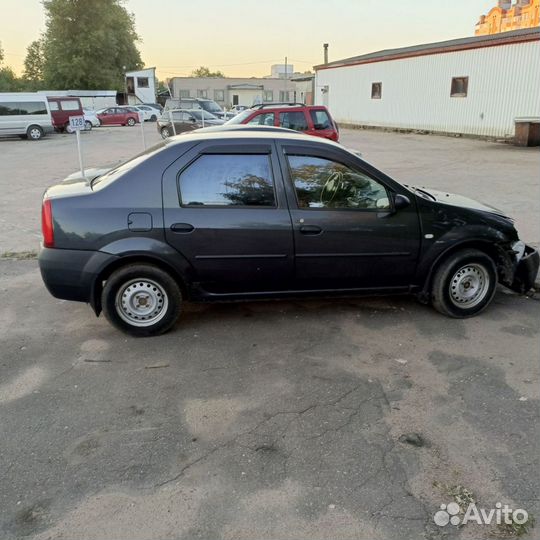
312 419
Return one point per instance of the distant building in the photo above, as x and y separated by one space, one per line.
507 16
230 91
140 86
281 71
476 85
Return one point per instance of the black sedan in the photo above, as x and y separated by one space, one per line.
247 214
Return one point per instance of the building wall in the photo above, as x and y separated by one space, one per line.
505 17
503 84
252 90
141 86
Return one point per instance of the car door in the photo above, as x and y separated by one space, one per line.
294 120
347 232
320 124
225 211
108 116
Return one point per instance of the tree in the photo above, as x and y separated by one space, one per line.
33 65
88 44
205 72
8 79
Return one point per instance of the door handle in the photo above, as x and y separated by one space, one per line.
310 229
182 227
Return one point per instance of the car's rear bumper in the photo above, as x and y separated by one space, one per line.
71 274
526 271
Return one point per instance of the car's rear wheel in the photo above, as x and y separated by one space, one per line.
88 125
165 132
153 118
130 122
464 284
141 300
34 133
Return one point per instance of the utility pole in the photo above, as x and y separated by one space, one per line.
286 77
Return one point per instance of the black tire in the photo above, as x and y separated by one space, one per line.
165 132
88 125
34 133
153 118
464 284
131 122
130 285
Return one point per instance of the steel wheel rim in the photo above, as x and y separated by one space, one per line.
165 133
141 302
469 285
35 133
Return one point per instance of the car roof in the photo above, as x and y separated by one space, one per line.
243 127
243 134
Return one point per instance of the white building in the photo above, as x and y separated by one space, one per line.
141 86
475 85
281 71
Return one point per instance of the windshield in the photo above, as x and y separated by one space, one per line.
118 171
199 115
239 118
210 106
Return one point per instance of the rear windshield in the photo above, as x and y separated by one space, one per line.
109 177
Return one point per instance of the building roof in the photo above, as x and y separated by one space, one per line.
474 42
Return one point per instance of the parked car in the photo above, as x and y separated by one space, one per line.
25 114
185 120
208 105
61 109
238 109
155 106
117 115
310 119
90 119
148 113
246 214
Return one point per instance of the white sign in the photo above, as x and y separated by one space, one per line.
76 123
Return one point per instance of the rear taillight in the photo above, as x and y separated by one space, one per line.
47 226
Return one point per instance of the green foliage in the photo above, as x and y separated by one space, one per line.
8 80
88 44
205 72
33 65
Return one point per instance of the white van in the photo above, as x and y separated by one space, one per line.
25 114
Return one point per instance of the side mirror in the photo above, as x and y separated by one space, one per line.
401 201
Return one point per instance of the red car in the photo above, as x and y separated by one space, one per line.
61 109
310 119
117 115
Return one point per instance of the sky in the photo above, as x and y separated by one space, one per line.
245 37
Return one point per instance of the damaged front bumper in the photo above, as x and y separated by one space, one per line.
526 270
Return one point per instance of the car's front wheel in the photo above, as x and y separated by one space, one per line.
34 133
464 284
131 122
141 300
153 118
165 132
88 125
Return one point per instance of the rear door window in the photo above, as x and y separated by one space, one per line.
69 105
32 107
293 120
320 119
228 180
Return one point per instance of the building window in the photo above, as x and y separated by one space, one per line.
202 94
376 90
268 96
460 86
219 95
184 93
284 97
142 82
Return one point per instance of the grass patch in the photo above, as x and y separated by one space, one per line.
19 255
514 530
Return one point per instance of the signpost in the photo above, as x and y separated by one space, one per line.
141 121
76 123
